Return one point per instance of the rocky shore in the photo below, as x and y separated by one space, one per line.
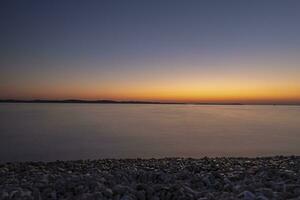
153 179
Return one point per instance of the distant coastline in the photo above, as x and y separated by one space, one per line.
104 101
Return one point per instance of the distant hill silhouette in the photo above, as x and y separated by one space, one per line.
105 102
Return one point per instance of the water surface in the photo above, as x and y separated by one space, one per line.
90 131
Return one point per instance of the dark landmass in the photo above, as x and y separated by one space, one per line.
106 102
153 179
103 101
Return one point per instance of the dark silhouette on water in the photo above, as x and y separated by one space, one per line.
105 101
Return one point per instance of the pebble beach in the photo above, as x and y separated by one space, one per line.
153 179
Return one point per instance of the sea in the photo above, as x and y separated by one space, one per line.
70 131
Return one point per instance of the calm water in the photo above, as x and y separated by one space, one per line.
81 131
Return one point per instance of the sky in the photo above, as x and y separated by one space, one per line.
159 50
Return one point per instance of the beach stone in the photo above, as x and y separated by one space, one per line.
141 195
108 193
26 194
4 195
247 195
297 191
16 194
262 197
155 198
291 187
267 192
153 179
119 189
127 197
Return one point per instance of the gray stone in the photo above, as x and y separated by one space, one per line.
247 195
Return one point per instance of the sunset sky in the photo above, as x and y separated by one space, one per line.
158 50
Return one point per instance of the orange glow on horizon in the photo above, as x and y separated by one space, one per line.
179 93
266 85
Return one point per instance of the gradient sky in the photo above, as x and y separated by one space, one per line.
164 50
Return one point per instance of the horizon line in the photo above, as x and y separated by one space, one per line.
110 101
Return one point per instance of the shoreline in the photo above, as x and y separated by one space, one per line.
262 178
104 101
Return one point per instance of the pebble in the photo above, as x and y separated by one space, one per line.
153 179
246 195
